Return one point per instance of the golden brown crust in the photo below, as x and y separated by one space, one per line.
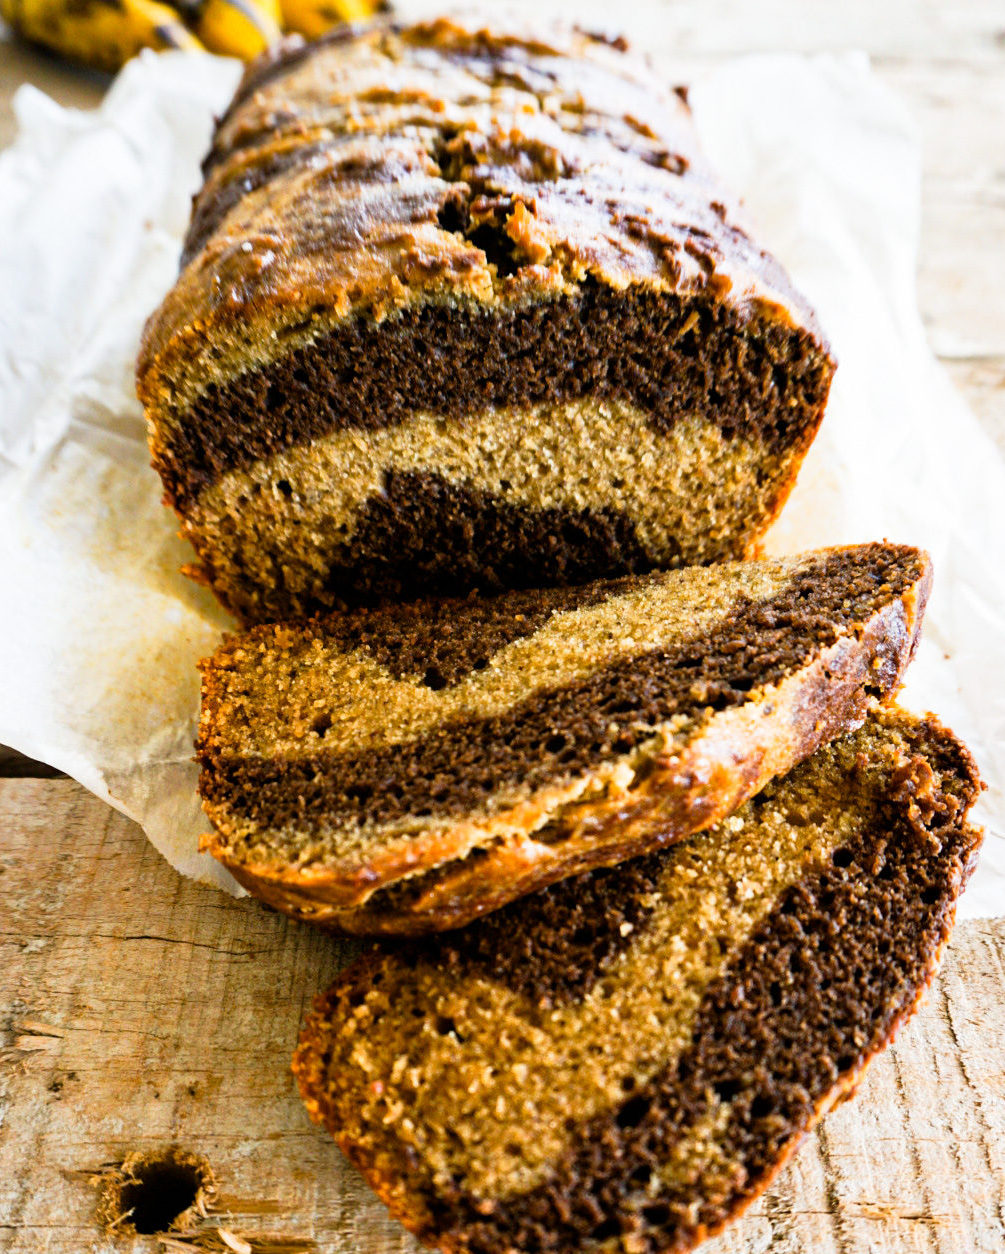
337 233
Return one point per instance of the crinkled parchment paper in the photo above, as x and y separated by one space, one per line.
100 633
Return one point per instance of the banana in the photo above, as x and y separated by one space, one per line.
312 18
236 28
106 33
101 33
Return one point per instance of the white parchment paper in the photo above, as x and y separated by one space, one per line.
100 633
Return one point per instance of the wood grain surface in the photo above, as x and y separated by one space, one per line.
140 1011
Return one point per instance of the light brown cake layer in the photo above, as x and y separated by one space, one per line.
507 1127
682 496
604 721
624 1061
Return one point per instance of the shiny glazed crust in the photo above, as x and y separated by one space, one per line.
338 235
506 235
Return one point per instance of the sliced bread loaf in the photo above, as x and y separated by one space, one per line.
622 1062
409 768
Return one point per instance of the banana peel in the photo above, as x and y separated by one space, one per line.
238 28
104 34
311 18
100 33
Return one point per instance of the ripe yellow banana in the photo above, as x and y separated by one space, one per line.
101 33
312 18
106 33
236 28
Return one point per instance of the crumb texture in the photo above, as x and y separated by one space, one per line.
439 707
419 763
554 494
625 1062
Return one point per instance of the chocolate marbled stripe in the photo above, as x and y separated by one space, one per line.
567 730
579 927
423 535
426 535
667 354
811 997
444 640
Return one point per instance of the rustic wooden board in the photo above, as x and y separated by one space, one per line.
140 1010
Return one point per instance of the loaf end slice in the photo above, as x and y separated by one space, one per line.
623 1062
407 769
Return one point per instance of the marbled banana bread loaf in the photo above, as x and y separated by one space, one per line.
621 1063
464 308
407 768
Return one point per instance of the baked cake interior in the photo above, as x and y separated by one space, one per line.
322 740
631 1053
463 310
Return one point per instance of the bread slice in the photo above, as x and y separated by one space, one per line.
623 1062
409 768
464 307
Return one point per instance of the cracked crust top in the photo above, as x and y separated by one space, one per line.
389 166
